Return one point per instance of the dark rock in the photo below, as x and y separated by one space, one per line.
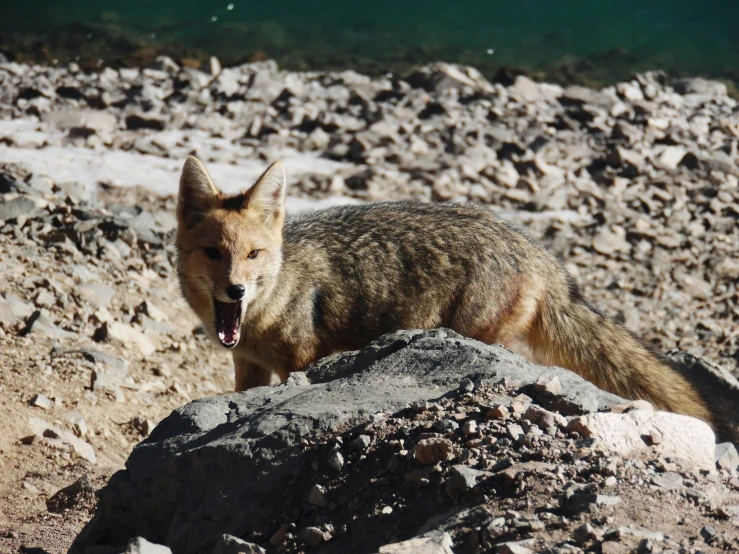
463 479
135 122
168 497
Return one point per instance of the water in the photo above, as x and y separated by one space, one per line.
567 40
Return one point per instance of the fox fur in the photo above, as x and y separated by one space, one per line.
338 278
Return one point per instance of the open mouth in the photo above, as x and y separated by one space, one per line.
228 322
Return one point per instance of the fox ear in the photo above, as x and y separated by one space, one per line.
198 194
267 196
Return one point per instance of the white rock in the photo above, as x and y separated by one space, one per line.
431 543
683 437
81 448
131 337
140 545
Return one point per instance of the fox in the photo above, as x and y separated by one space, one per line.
282 292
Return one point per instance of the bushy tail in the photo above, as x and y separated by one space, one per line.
571 334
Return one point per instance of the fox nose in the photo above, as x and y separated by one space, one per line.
236 292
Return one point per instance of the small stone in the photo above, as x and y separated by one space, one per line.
140 545
387 510
361 443
7 317
514 431
726 456
335 460
513 548
550 384
610 481
470 428
583 533
317 496
466 385
79 494
669 480
312 536
498 412
431 451
709 533
41 401
463 479
130 337
446 426
149 309
228 544
430 543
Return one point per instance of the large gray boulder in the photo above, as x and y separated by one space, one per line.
226 464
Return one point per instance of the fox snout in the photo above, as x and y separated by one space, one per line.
235 292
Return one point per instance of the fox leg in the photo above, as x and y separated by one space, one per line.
250 375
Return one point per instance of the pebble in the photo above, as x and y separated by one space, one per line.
41 401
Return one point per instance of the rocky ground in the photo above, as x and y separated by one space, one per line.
634 186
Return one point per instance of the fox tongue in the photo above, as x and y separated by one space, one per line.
228 329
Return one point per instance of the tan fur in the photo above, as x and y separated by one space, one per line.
337 279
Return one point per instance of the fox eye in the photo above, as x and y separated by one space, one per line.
253 254
213 253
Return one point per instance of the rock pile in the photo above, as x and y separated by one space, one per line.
635 186
423 442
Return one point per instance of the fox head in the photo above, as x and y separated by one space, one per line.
229 248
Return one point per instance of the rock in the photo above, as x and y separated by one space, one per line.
130 337
140 545
549 385
726 456
440 77
317 496
470 427
81 448
229 544
135 122
22 206
7 317
78 495
525 89
149 309
431 451
684 437
96 294
39 324
336 460
431 543
259 432
466 385
446 426
668 480
698 85
670 157
463 479
519 547
574 502
612 241
361 443
41 401
312 536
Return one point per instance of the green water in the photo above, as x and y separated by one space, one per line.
568 40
